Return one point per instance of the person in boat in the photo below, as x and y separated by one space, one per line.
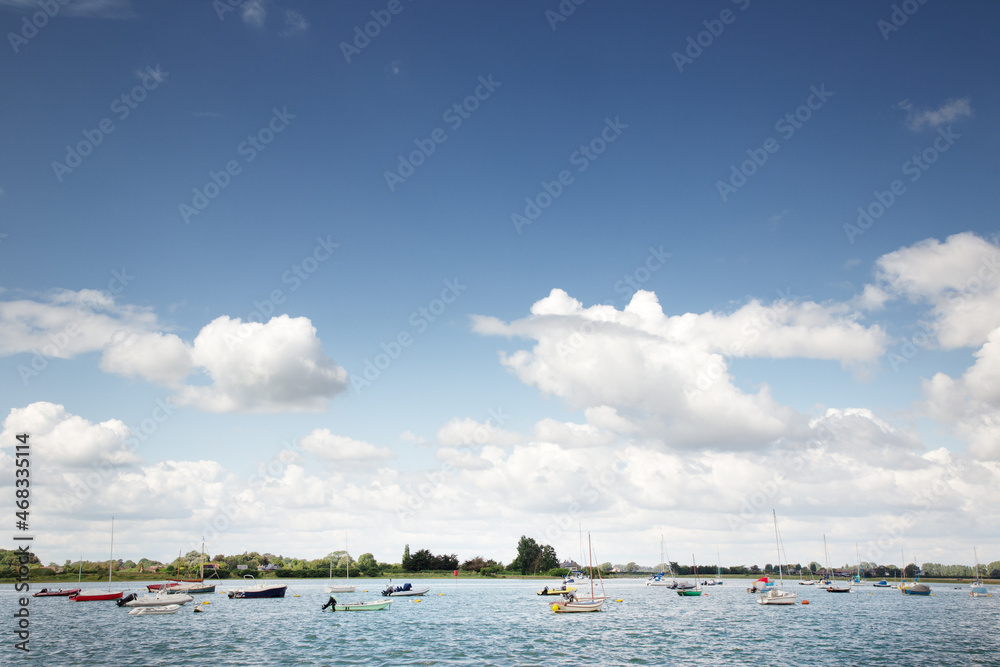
331 603
545 591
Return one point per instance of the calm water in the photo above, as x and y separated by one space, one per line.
505 623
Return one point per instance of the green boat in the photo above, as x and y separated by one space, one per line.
696 591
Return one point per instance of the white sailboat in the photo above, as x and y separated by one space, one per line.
977 588
572 604
660 579
341 588
776 595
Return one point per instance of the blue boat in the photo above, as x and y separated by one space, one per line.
256 590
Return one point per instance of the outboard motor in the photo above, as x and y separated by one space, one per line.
330 603
128 598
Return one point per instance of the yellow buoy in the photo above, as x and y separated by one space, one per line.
417 600
206 602
619 600
296 595
440 594
555 607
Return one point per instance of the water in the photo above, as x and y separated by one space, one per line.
503 622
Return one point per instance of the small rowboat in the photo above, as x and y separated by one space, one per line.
46 593
152 611
575 606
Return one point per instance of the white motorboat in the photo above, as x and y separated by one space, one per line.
156 600
153 611
404 590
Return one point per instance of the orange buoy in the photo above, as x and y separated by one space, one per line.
805 602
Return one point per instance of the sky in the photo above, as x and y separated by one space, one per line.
290 275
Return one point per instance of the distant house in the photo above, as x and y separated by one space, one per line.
570 564
270 567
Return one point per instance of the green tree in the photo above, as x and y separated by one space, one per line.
407 565
547 560
528 553
368 566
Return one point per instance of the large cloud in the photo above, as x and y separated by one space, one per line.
339 449
253 367
959 279
65 323
669 375
58 437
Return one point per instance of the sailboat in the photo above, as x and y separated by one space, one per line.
977 589
660 579
341 588
859 578
571 604
833 587
916 588
777 595
96 595
696 591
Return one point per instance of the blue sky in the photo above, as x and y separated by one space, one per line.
312 229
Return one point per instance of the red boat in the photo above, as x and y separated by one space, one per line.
94 596
46 593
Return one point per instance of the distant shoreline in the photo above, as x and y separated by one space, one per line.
91 579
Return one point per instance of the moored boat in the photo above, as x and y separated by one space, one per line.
46 593
157 600
772 595
404 590
155 611
556 591
255 590
917 589
371 605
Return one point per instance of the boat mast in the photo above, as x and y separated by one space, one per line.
590 550
112 555
778 548
347 547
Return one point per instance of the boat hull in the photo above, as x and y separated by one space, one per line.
578 606
689 593
45 593
409 593
247 594
376 605
155 611
95 597
340 589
